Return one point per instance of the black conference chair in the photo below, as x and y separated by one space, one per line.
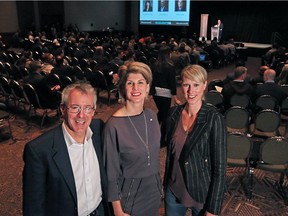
93 64
65 80
285 88
18 93
216 99
6 90
266 124
239 149
237 119
84 63
3 70
240 100
78 73
273 158
5 116
34 102
102 85
54 79
266 102
216 82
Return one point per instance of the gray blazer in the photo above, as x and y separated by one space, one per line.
48 180
203 157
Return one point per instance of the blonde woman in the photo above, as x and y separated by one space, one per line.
196 151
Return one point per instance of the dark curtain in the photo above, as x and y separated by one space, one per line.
245 21
255 21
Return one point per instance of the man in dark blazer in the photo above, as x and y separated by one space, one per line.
269 87
64 172
220 25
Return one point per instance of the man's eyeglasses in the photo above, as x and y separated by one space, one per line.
76 109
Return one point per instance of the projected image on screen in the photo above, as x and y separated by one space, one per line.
165 12
148 5
180 5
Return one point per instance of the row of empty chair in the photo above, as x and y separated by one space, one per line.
254 140
272 158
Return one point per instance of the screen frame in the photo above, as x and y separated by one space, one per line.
169 17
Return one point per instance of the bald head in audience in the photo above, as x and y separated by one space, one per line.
269 75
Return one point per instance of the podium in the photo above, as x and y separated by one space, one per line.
214 32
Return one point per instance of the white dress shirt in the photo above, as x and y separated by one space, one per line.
86 172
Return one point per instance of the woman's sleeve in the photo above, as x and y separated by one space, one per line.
218 155
112 161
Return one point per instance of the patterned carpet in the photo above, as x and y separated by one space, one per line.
266 197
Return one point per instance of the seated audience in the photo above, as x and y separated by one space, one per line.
270 87
231 47
283 77
48 62
180 57
119 58
259 78
230 76
62 69
268 57
98 54
279 57
48 96
237 86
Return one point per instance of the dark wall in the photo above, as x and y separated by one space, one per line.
49 13
26 16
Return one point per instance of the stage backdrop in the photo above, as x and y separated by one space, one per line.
204 25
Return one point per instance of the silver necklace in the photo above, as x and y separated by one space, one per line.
146 136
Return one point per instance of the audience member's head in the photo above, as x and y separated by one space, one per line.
164 53
240 73
35 66
59 60
262 69
181 47
99 50
48 58
269 75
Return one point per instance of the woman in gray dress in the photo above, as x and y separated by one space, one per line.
131 145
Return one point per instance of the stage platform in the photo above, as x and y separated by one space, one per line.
255 45
252 49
